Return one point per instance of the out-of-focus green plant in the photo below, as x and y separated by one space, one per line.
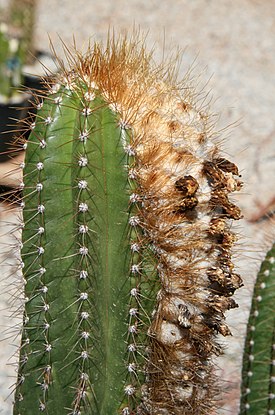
11 62
16 46
21 16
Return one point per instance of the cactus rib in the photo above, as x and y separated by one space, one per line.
258 377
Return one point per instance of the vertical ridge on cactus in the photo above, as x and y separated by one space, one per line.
126 243
258 376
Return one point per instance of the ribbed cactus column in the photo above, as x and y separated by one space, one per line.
77 259
127 243
258 385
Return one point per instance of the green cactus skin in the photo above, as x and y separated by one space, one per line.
258 377
77 261
126 243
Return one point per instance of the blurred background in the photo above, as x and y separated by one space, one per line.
230 45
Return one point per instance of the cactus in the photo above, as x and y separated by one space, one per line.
126 242
258 377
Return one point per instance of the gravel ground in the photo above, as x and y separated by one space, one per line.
232 45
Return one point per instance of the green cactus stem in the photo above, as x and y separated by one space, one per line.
126 243
258 377
77 259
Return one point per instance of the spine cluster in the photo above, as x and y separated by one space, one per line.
126 243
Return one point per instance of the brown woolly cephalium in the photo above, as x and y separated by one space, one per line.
183 213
